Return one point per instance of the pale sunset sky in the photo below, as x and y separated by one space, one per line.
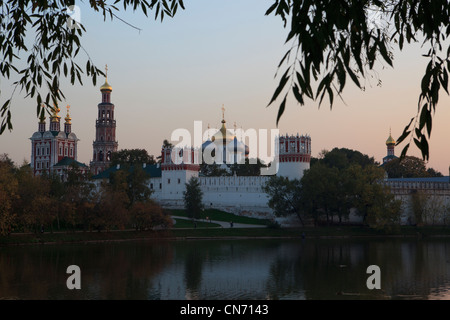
217 53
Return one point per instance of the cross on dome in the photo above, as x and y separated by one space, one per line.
68 118
223 114
106 85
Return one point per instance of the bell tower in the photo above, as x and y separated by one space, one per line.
105 131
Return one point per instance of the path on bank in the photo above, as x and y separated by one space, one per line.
223 224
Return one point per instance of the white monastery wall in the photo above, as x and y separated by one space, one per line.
236 194
436 201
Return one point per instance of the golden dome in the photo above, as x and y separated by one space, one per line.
223 135
106 86
55 116
390 140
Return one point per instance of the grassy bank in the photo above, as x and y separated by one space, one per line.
221 233
219 215
183 223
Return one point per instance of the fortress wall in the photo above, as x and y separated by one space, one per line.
236 194
435 201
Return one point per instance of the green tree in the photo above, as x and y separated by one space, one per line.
8 194
418 201
331 185
342 158
325 193
407 167
373 200
213 170
383 211
193 198
250 167
35 207
434 173
320 192
111 209
78 197
132 180
285 197
149 215
131 157
435 210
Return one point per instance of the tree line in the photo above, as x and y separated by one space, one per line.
342 181
30 203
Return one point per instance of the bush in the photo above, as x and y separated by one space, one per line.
273 224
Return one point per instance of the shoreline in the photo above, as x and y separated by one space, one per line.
208 234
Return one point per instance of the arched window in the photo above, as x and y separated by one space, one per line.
100 156
108 156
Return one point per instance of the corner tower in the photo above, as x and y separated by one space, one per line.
178 166
294 154
105 131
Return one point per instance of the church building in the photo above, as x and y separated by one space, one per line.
390 143
54 151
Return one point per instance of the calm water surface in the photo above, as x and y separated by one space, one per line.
229 269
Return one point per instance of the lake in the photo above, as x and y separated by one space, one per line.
229 269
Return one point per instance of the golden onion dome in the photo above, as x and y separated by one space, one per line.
390 140
223 135
106 86
55 116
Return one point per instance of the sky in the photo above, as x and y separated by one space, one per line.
223 53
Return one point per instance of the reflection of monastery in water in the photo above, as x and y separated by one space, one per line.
55 151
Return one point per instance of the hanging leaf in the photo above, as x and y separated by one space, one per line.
283 81
281 109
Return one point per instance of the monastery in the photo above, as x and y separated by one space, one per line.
55 150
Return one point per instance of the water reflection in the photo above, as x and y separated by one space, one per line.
229 269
